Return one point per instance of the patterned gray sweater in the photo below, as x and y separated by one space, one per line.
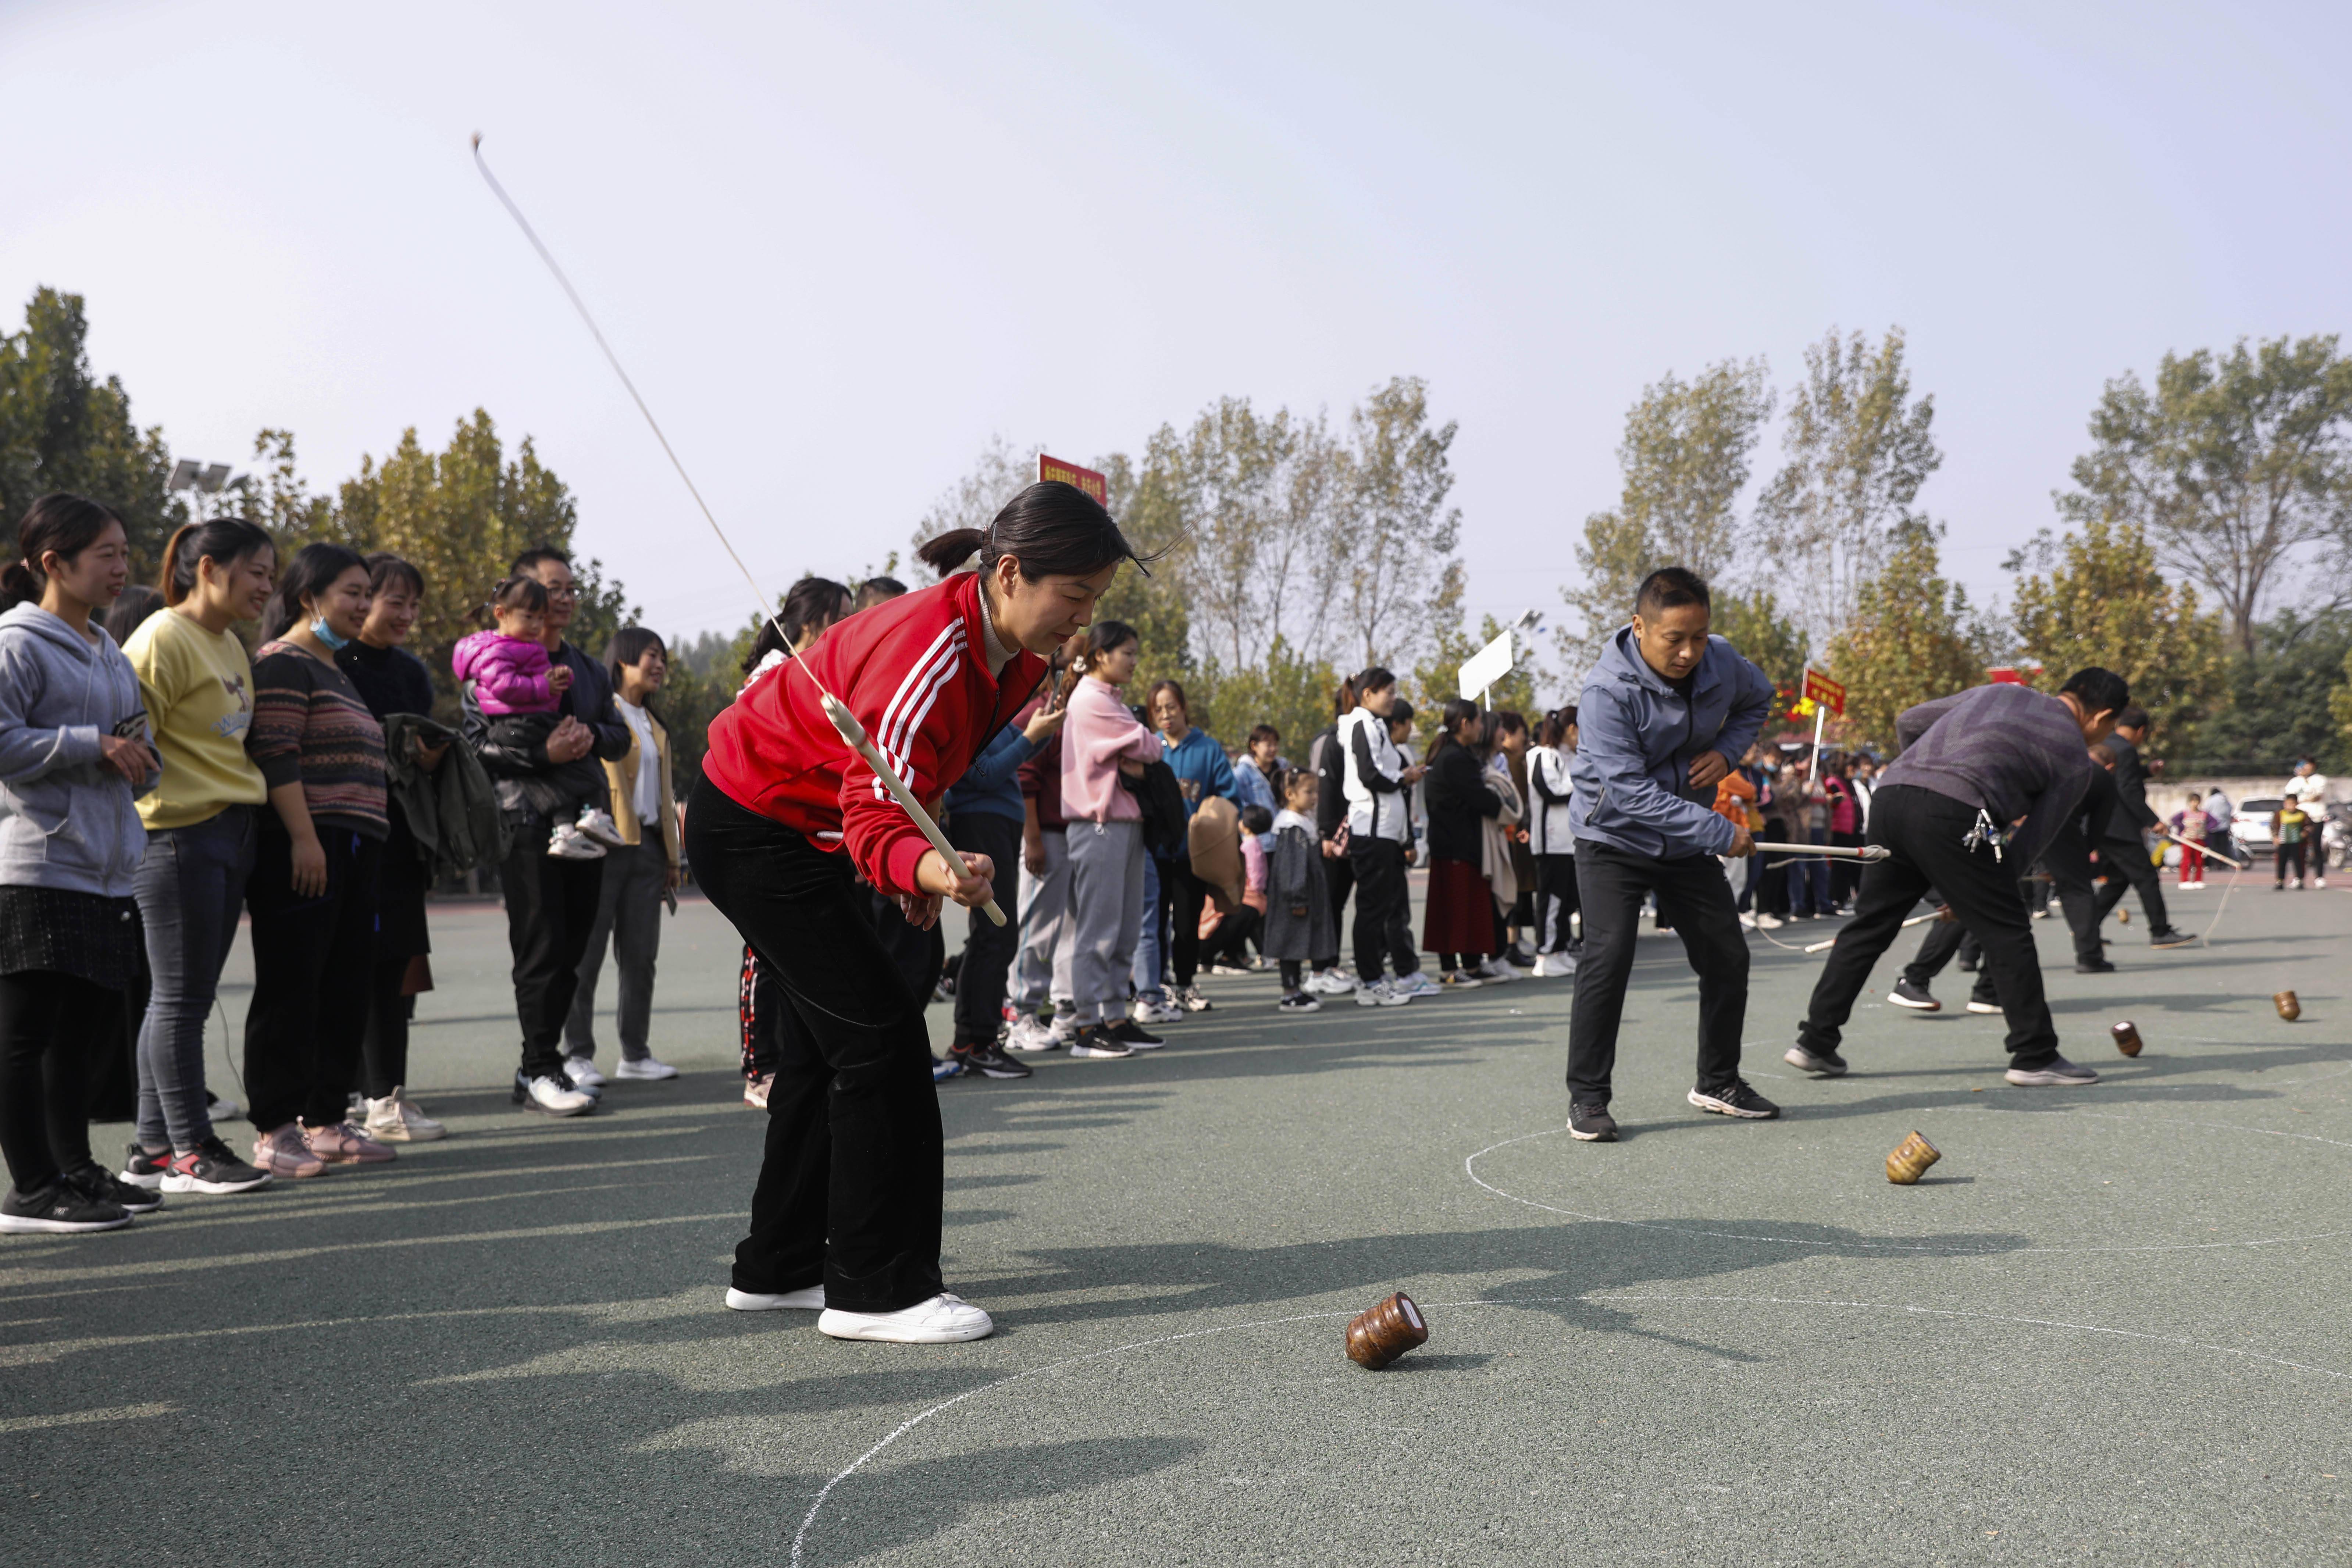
2013 751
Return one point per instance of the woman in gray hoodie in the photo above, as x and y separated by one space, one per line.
74 752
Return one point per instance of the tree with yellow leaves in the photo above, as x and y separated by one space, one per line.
1912 640
2096 597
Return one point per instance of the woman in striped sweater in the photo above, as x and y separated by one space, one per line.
313 891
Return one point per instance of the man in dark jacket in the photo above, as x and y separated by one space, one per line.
551 901
1661 717
2123 854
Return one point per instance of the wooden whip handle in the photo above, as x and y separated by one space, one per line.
855 733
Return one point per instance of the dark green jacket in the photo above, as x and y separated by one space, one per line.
452 811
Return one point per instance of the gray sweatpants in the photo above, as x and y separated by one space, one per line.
1106 911
1043 971
628 917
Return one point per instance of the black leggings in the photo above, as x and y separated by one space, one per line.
313 971
1555 901
2289 861
1338 880
1181 894
850 1189
50 1025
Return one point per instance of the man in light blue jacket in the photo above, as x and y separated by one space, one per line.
1663 717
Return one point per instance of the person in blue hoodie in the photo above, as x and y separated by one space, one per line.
1665 714
1201 770
985 816
73 754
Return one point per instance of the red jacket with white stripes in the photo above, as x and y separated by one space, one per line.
913 672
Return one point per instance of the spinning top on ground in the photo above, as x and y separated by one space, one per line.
1910 1160
2123 917
2126 1036
1380 1334
2289 1008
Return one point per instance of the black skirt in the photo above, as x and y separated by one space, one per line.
87 935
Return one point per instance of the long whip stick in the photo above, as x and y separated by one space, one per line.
2210 854
1906 925
1827 851
836 710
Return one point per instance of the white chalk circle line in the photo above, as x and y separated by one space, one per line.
816 1504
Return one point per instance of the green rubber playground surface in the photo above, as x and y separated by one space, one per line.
2114 1325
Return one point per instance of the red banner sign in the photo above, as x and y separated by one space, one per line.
1086 480
1820 689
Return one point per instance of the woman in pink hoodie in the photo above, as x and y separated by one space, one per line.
1101 741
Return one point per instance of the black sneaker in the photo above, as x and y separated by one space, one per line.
95 1181
990 1061
1820 1063
142 1169
1735 1099
1590 1123
2095 966
59 1208
2169 937
1967 966
212 1168
1131 1034
1906 994
2055 1073
1982 1004
1095 1040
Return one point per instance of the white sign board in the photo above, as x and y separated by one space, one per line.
1485 667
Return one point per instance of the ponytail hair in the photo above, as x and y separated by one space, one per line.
1052 529
1102 637
1450 720
811 603
1343 698
223 540
515 593
312 571
67 524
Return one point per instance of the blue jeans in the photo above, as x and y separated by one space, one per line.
1151 960
1809 880
191 889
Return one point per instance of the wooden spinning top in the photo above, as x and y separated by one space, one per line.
2289 1008
1378 1334
1910 1160
2126 1036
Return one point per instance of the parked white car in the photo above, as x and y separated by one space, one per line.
2250 824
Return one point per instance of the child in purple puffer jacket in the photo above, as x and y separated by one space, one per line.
519 689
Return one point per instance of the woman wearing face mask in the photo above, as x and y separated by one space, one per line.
202 825
313 891
73 751
390 679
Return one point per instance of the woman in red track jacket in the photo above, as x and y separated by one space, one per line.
786 818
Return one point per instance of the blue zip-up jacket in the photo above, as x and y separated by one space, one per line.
66 821
992 782
1199 761
1635 740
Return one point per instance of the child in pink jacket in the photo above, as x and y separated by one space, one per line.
518 689
1104 834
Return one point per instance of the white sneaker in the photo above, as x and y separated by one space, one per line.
808 1298
943 1319
582 1073
1496 969
1381 994
598 824
1769 922
648 1068
393 1119
1066 1023
1417 983
1030 1034
567 843
553 1097
1189 998
1554 966
1144 1010
1748 921
1331 982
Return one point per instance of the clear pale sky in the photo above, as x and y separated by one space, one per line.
840 246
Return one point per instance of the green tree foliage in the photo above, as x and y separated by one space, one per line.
1753 624
2231 464
1911 640
1686 456
1859 448
2096 596
1437 679
63 429
2286 701
1397 535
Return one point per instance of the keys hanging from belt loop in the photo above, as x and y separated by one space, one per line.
1985 831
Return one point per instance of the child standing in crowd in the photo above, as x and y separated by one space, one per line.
203 823
1552 840
1298 902
1254 771
2191 824
1379 826
2291 832
1459 926
1227 953
1101 742
517 690
73 752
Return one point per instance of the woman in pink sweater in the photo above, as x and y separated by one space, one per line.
1101 741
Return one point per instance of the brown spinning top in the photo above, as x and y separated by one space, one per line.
1910 1160
2126 1036
2289 1008
1380 1334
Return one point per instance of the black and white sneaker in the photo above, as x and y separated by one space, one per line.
1735 1099
990 1061
95 1181
2055 1073
1906 994
1096 1040
2169 937
59 1209
1820 1063
214 1167
1134 1037
2095 966
142 1169
1978 1004
1589 1122
1299 1002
